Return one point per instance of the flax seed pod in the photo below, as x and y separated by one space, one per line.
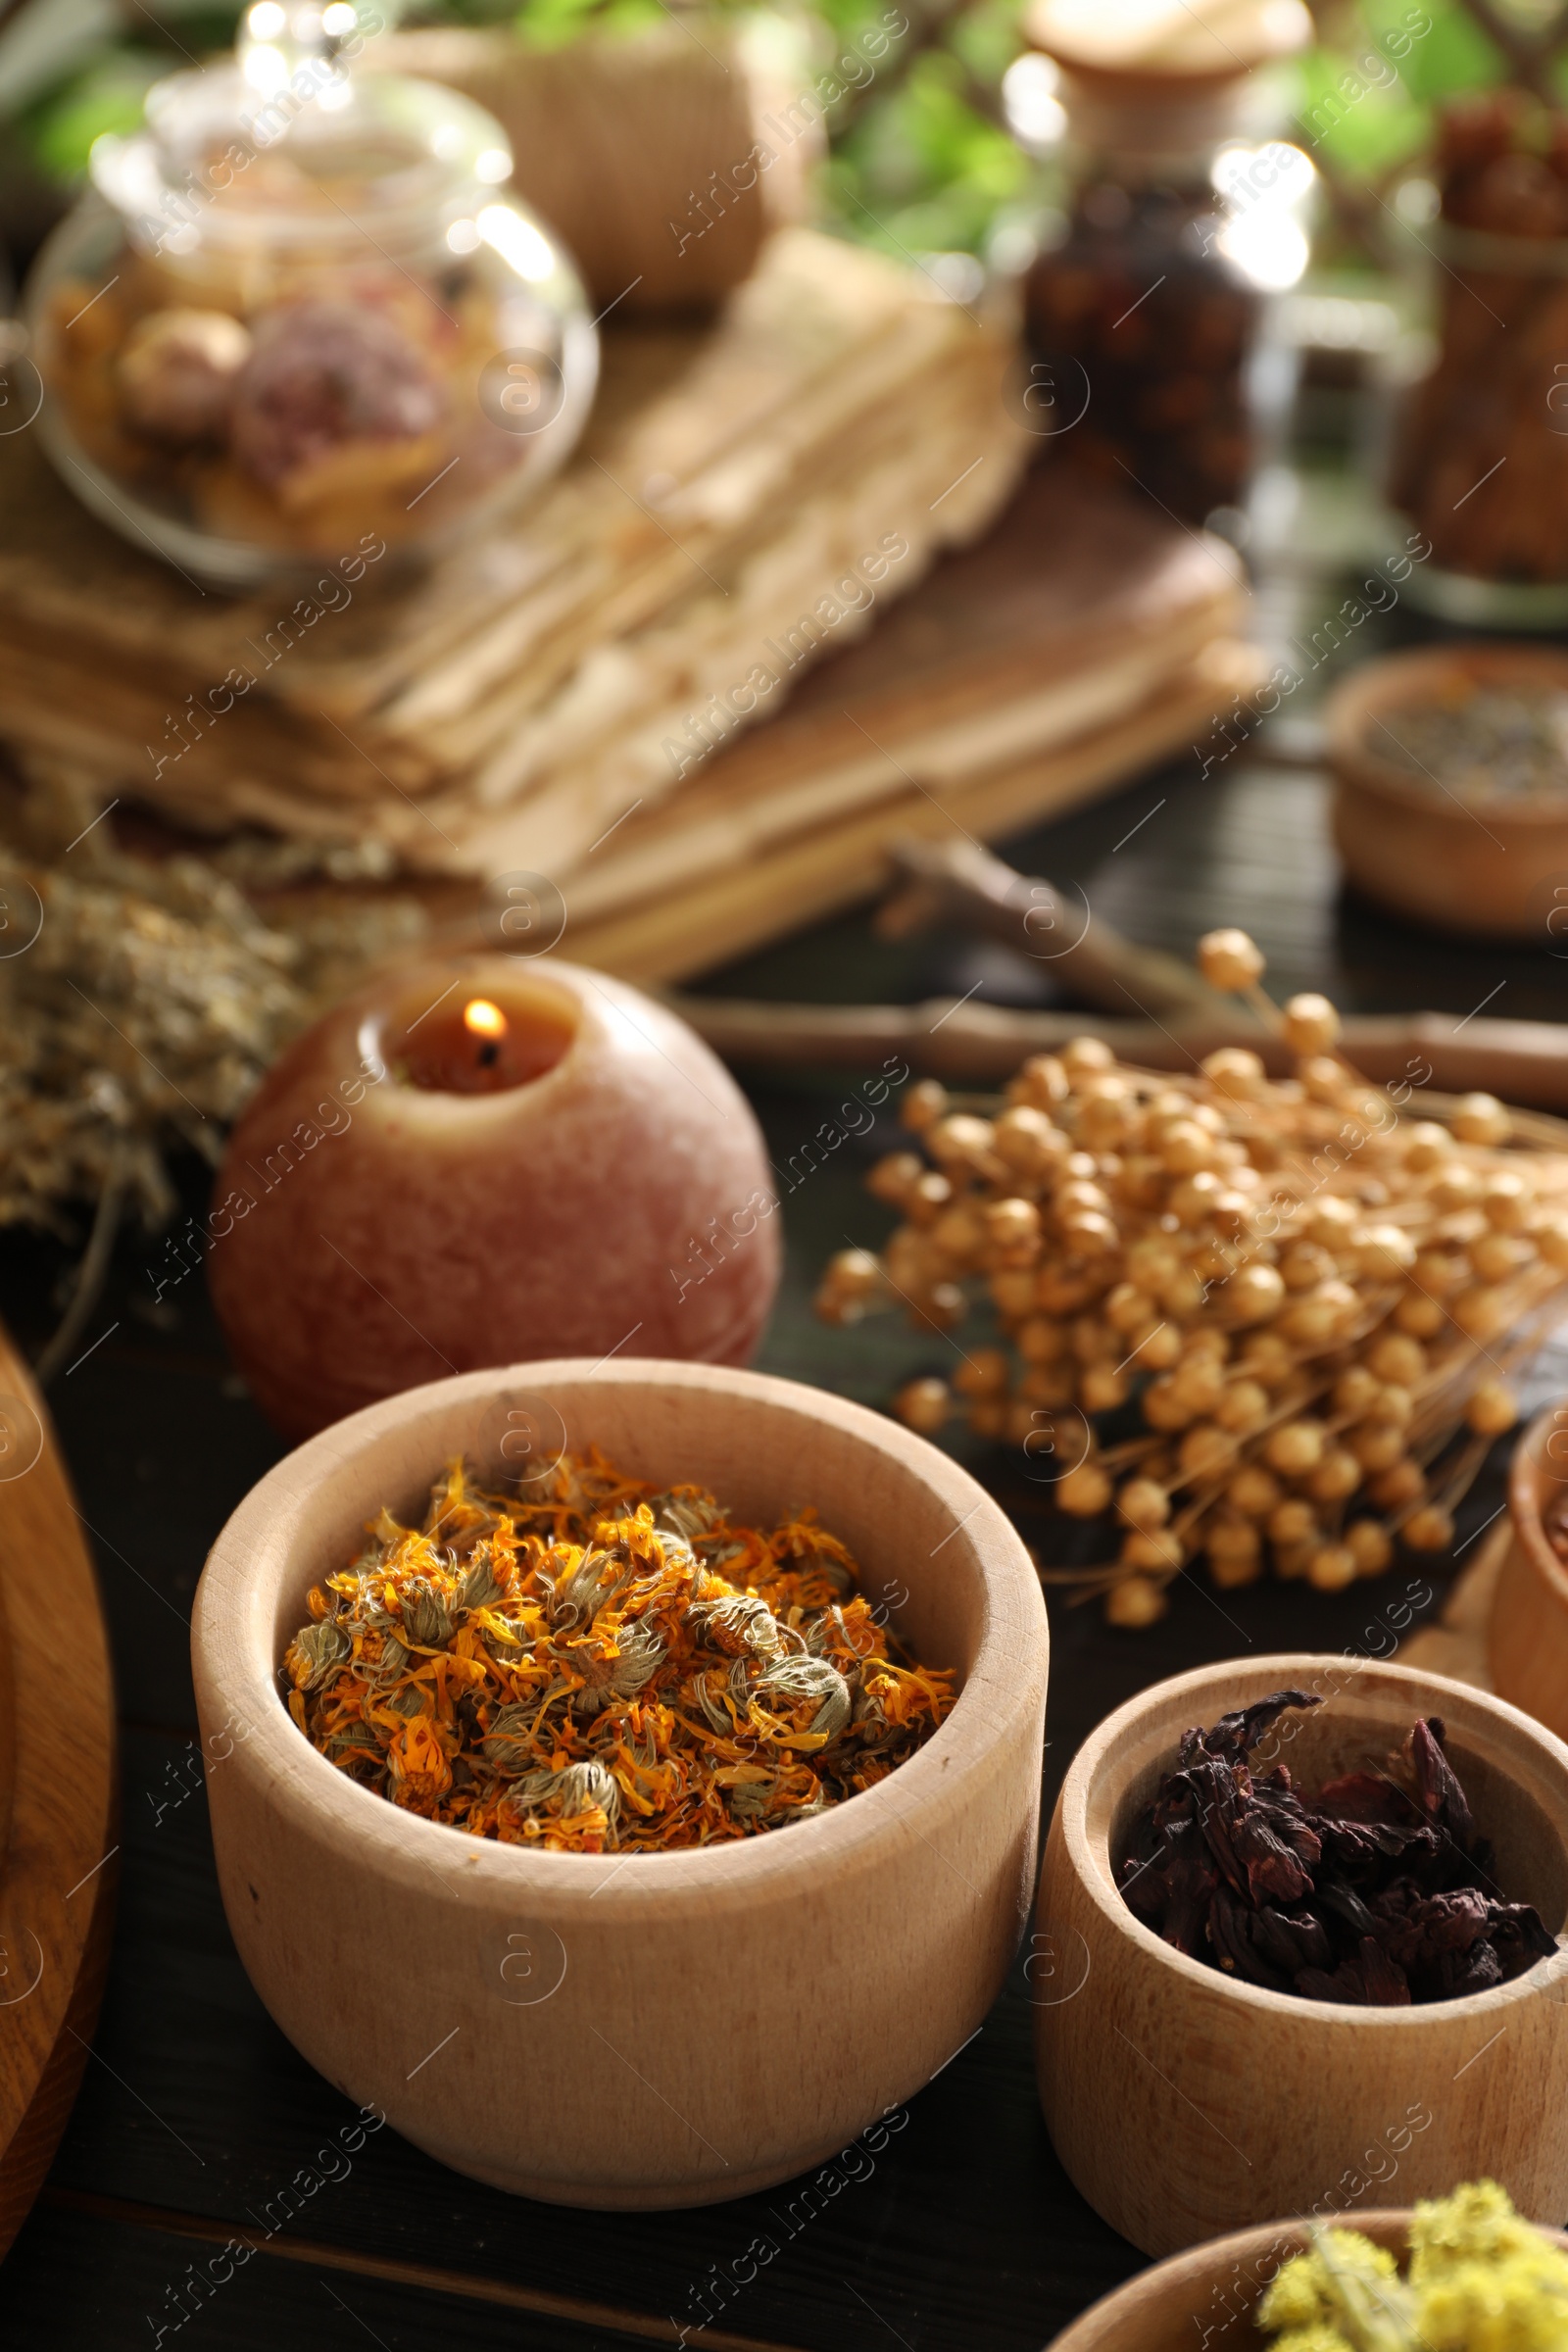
1102 1388
1398 1358
1142 1504
1133 1603
924 1105
1242 1408
1296 1447
1012 1291
1234 1551
1254 1294
1482 1119
1419 1314
1254 1490
1494 1408
1337 1476
1427 1530
1085 1491
1311 1023
1205 1449
1234 1072
1402 1483
1041 1081
925 1406
1371 1545
1230 960
1376 1445
895 1177
1331 1567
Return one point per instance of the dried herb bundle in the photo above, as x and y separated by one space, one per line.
1295 1293
141 1001
609 1667
1377 1891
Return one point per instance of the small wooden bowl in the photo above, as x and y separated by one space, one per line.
1184 2103
656 2029
1207 2295
1527 1644
1415 848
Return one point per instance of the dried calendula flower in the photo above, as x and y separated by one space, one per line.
608 1668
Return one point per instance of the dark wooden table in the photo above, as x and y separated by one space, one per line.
196 2115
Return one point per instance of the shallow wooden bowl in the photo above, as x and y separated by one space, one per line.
1207 2295
1182 2103
1526 1641
1411 845
659 2028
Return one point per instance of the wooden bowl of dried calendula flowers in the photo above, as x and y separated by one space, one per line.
631 1772
1301 1916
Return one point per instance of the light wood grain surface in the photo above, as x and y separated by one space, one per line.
1184 2103
57 1869
653 2030
1208 2293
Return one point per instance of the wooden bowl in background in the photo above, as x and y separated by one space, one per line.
1527 1644
1206 2296
655 2029
1184 2103
1414 847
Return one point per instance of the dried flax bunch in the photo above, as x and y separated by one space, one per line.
609 1668
1286 1297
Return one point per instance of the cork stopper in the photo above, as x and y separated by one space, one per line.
1158 76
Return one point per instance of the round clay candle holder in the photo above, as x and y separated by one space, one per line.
1204 2298
642 2030
1412 846
1527 1643
1184 2103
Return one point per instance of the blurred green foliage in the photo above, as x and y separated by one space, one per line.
921 158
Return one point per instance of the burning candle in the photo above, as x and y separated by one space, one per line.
483 1161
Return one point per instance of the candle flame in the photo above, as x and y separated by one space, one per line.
483 1018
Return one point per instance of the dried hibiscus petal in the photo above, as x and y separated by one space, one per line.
1372 1893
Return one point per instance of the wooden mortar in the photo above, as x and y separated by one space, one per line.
1182 2103
1412 845
1527 1644
1207 2295
648 2030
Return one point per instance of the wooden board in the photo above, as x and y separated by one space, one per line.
58 1802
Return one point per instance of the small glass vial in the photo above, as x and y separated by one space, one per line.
297 311
1140 319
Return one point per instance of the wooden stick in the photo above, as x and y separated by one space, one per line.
1521 1061
958 881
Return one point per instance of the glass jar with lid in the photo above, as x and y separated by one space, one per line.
298 309
1142 302
1478 455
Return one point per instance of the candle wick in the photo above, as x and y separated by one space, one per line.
489 1053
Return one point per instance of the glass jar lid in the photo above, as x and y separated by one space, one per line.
301 164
